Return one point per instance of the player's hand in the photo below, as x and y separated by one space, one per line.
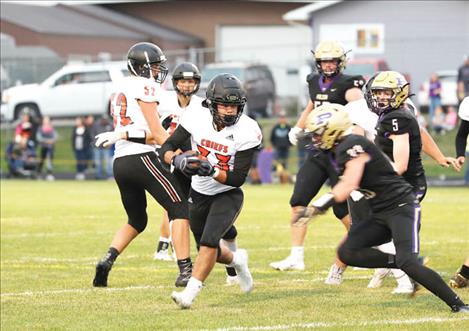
461 160
293 135
205 168
451 161
303 215
108 138
188 163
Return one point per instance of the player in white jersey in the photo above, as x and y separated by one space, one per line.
172 105
136 166
226 140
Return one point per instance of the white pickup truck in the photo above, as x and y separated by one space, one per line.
74 90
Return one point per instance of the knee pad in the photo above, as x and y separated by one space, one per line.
231 234
340 210
138 224
344 254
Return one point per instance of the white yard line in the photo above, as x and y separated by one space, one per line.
314 325
82 290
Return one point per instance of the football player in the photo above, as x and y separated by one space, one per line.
394 210
136 166
226 140
330 85
172 106
402 140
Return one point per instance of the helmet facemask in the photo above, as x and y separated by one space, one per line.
222 120
390 81
330 51
186 93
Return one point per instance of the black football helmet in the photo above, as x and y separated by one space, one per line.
225 89
186 70
143 57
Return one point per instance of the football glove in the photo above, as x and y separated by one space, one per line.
304 215
293 135
107 139
206 169
188 163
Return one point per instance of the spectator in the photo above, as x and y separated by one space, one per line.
24 129
280 142
21 159
46 137
463 79
89 122
438 121
435 96
451 118
102 157
81 147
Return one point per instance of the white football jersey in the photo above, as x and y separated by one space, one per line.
463 111
169 106
363 117
127 113
219 147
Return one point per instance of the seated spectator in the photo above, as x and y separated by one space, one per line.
21 159
438 121
451 119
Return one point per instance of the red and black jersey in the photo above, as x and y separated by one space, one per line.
333 92
380 184
397 122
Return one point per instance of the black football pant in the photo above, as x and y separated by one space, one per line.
402 225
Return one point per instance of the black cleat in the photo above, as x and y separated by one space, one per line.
460 309
184 276
102 272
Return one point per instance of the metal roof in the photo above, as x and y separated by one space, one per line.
140 25
61 20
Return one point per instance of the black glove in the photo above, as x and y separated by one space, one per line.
187 163
167 122
205 169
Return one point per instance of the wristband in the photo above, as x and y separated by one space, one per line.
324 202
137 136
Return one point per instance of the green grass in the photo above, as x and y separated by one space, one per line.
52 233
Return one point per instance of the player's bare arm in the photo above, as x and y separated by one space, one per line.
430 148
400 152
353 94
351 178
158 133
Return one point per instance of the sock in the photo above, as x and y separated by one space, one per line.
232 247
401 278
185 265
163 244
388 248
111 255
193 286
297 253
464 271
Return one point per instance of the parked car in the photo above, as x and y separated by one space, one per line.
74 90
448 80
257 80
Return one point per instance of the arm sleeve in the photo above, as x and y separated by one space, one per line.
175 141
242 164
461 138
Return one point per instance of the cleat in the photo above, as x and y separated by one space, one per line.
403 289
182 299
232 280
241 267
335 276
460 309
288 264
102 272
378 277
458 280
163 255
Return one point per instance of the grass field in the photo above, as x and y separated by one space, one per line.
52 233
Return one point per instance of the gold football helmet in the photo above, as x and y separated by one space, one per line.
393 82
330 50
326 124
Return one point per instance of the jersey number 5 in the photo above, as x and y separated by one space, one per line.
395 125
